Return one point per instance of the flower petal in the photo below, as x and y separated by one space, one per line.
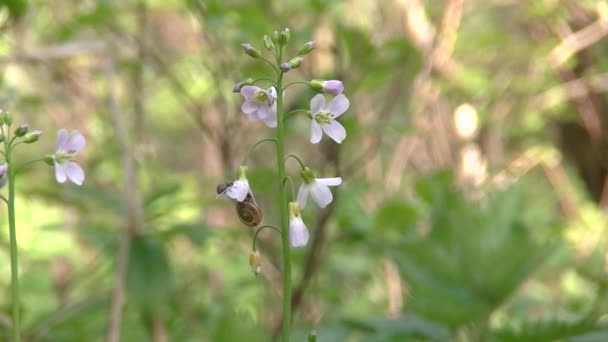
60 173
75 142
249 107
320 194
335 130
74 172
298 233
249 91
338 105
316 104
62 137
238 190
264 111
316 132
303 195
273 93
271 121
330 181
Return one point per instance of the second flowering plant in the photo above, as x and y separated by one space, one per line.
63 159
263 102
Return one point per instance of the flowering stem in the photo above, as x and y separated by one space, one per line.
4 199
283 205
246 158
255 235
296 158
296 82
264 79
293 187
291 113
13 240
22 166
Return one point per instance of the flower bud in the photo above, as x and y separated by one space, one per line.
304 50
21 130
275 37
49 159
285 67
284 37
32 137
251 51
5 118
237 87
268 44
308 175
255 261
333 87
312 337
295 62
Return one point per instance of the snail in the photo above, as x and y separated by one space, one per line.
248 211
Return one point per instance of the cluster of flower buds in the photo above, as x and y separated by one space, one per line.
260 104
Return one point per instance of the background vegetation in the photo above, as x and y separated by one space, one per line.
475 171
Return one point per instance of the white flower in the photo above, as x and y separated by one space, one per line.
260 104
318 188
298 233
324 118
236 190
68 146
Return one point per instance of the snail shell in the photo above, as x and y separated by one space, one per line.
248 211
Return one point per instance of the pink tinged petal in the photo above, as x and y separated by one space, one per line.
303 195
74 172
62 137
238 190
249 107
338 105
264 111
249 91
335 130
334 87
75 142
271 121
316 132
316 104
298 233
253 117
60 173
320 194
330 181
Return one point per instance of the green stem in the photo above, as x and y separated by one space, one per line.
293 156
246 158
296 82
257 232
291 113
293 187
283 205
13 241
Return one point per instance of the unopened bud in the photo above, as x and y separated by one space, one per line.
306 48
32 137
3 175
312 337
333 87
49 159
268 44
275 37
285 37
21 130
5 118
295 62
251 51
285 67
237 87
255 261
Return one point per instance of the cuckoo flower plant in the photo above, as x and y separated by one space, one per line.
263 100
68 146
